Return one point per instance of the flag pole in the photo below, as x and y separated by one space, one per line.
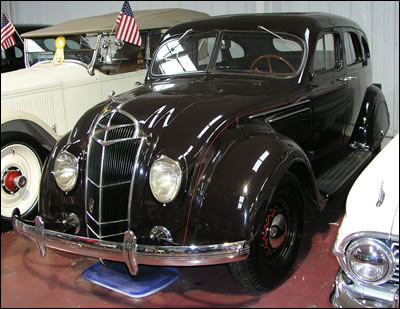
13 25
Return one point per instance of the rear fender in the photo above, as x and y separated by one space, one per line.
238 182
373 121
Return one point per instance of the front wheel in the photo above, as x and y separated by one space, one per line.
276 242
21 164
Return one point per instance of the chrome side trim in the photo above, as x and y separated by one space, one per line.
268 112
129 250
276 118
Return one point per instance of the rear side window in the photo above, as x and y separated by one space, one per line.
326 53
353 48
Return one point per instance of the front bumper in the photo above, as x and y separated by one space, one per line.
361 296
129 251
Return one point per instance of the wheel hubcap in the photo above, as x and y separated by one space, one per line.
20 179
275 230
12 180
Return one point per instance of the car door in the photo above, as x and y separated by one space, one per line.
327 91
355 78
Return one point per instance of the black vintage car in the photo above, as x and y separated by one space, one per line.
241 119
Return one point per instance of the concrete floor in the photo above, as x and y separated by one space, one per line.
27 280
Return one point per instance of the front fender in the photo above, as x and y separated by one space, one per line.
238 181
30 125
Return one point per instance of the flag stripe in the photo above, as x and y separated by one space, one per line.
127 29
7 31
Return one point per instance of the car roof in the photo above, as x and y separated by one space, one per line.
296 23
145 19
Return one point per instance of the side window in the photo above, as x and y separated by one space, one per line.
326 53
352 47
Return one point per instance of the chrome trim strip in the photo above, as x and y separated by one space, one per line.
288 115
369 234
139 150
102 223
109 128
145 254
101 237
106 186
268 112
107 143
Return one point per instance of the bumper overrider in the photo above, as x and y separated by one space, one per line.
128 251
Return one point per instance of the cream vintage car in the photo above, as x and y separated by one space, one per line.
42 102
367 245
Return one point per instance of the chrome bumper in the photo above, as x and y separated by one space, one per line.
359 296
129 251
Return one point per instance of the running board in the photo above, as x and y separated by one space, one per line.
334 178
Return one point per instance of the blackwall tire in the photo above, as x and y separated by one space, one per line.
272 252
22 156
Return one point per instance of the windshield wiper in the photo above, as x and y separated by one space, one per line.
181 38
269 31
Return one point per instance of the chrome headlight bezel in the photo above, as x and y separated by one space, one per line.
375 246
169 170
66 167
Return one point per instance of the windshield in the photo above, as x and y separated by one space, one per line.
259 52
77 47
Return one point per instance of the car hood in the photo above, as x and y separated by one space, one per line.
182 116
43 76
362 213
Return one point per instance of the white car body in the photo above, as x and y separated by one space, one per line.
372 212
41 103
58 94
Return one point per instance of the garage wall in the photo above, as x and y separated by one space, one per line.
379 19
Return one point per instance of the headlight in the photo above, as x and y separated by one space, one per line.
370 260
66 170
165 179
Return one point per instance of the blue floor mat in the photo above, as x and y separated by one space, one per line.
116 277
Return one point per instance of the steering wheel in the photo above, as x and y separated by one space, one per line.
268 58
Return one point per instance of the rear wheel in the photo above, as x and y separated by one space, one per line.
21 165
276 242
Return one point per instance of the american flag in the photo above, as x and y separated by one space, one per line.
7 31
127 28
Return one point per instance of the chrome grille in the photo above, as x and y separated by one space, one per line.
111 159
395 249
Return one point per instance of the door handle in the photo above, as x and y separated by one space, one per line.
346 78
